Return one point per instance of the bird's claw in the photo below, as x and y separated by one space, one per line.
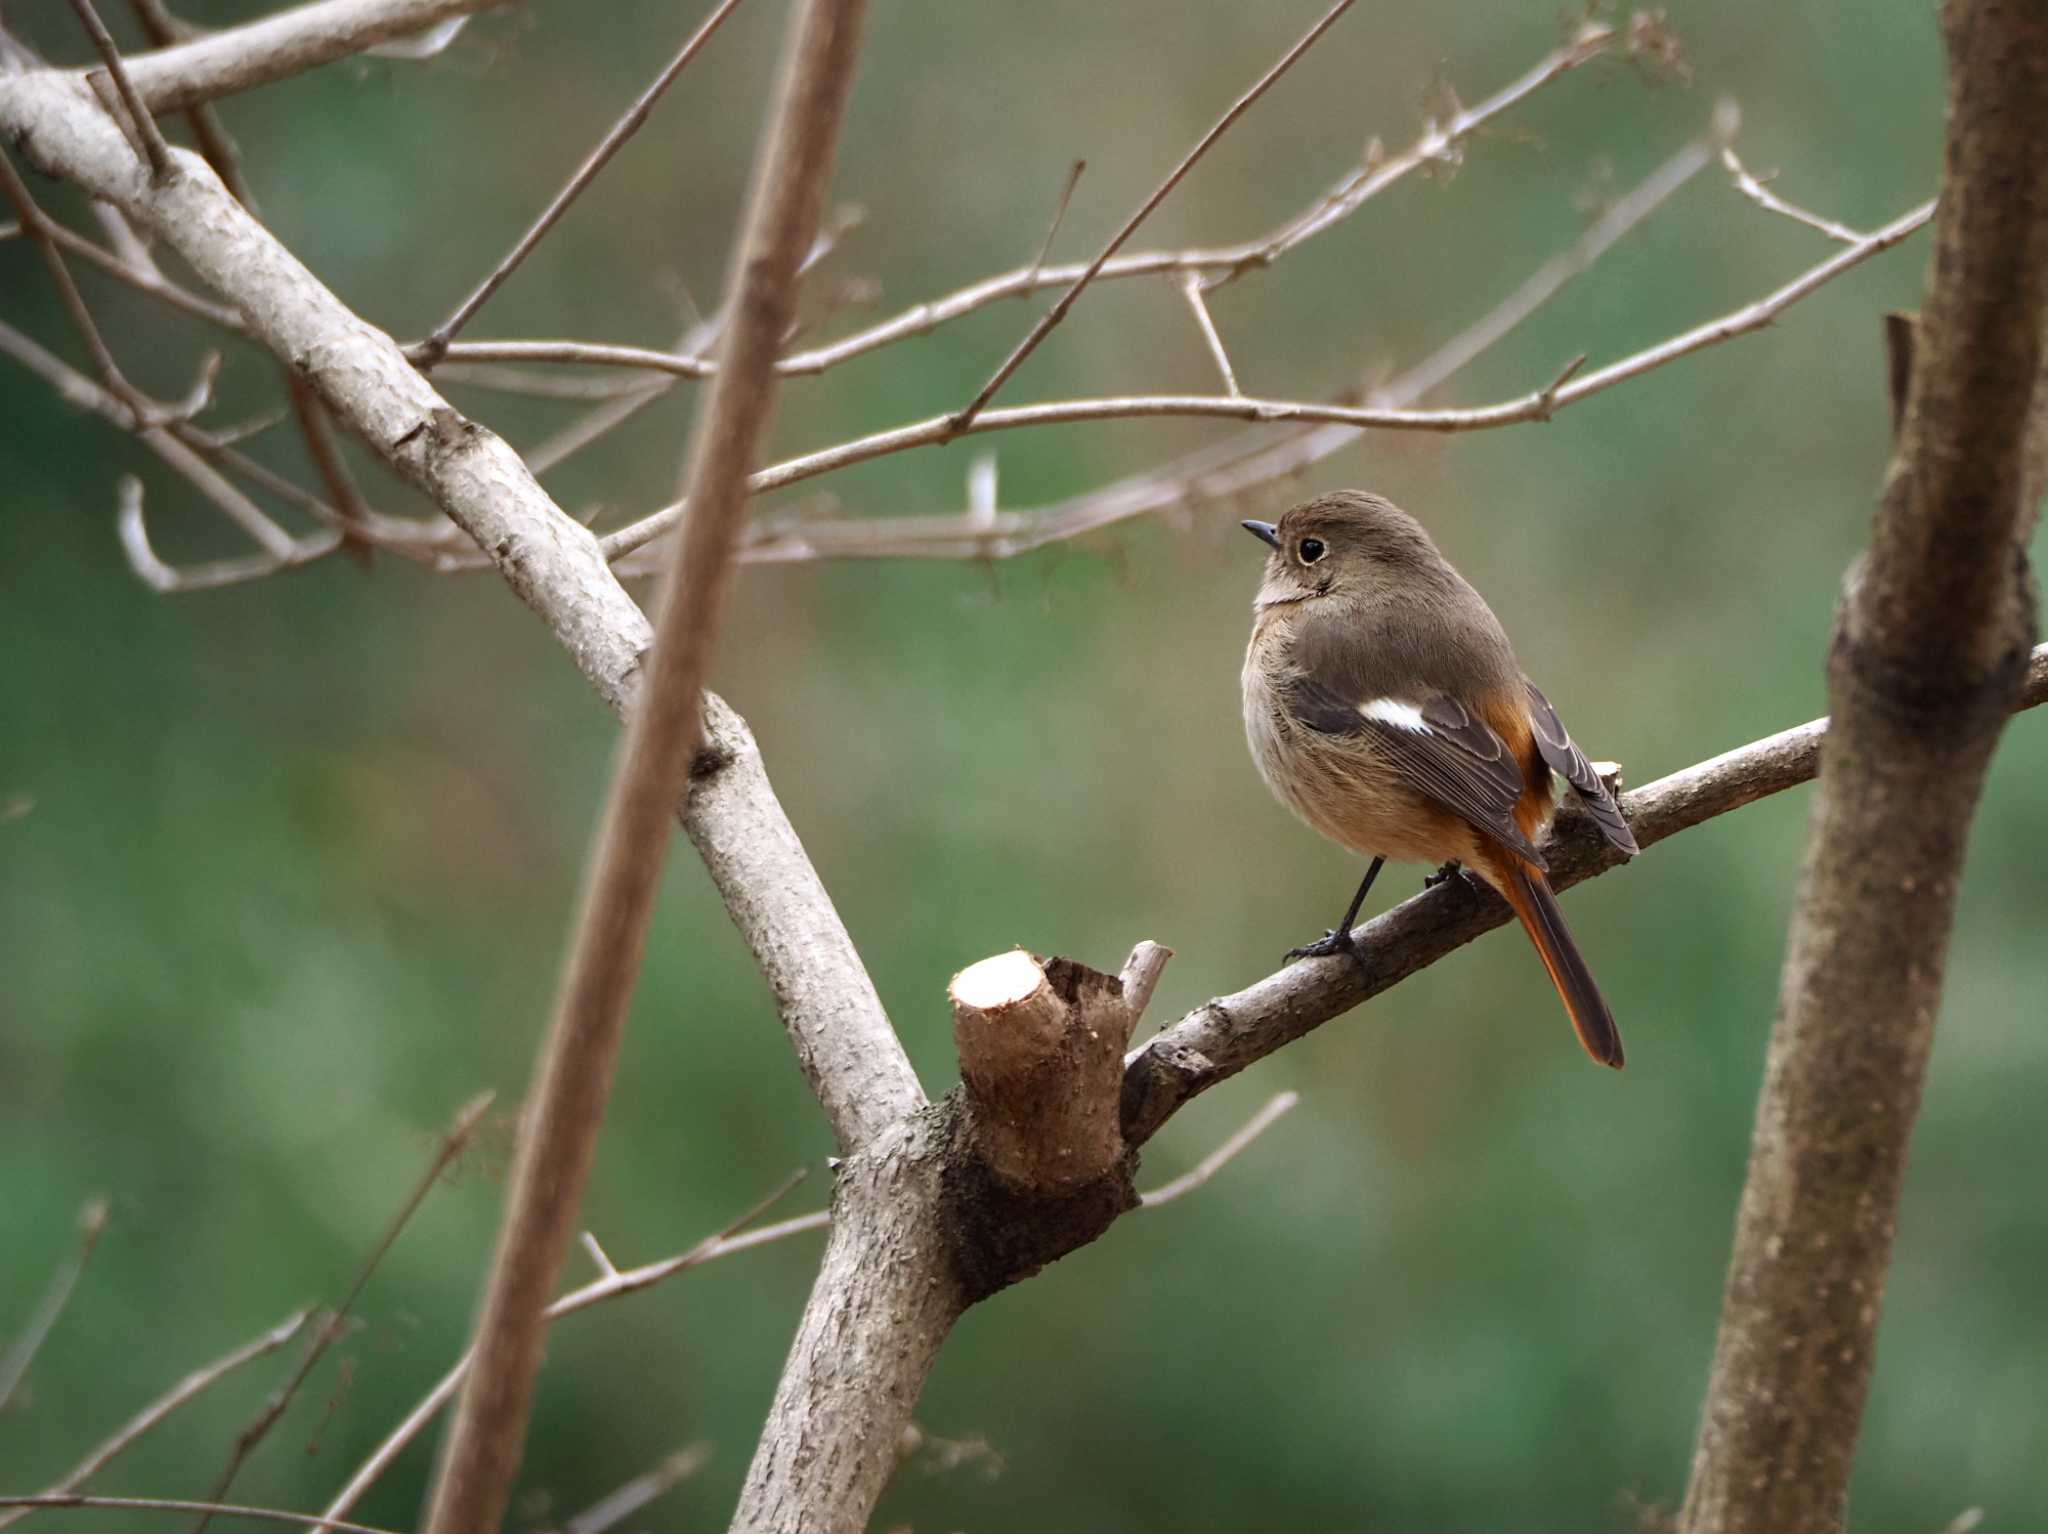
1452 870
1330 943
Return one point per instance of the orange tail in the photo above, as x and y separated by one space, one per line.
1529 893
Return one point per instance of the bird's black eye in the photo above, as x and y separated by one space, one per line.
1311 550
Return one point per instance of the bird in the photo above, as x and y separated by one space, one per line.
1384 706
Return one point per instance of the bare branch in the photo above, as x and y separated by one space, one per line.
609 1286
1537 405
279 46
1221 1037
160 577
435 346
14 1363
446 1154
1277 1106
145 279
1038 332
565 1108
143 411
193 1385
181 1505
1929 657
1754 189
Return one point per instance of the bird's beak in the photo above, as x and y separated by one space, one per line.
1263 531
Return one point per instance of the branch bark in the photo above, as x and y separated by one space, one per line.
1929 653
565 1109
280 46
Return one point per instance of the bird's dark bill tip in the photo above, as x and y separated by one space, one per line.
1265 532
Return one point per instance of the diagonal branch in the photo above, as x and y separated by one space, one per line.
565 1108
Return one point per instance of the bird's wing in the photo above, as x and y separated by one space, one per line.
1438 746
1570 763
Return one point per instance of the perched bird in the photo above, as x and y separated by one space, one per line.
1385 707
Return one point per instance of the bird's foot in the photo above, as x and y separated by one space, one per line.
1335 941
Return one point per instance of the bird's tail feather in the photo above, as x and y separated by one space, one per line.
1529 893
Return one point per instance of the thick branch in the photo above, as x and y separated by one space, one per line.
1221 1037
1929 654
565 1110
280 46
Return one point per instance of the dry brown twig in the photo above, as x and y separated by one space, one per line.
565 1107
206 1510
446 1153
192 1386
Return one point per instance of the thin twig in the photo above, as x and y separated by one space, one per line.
1538 405
14 1364
154 149
732 1239
431 350
181 1505
1059 215
1221 1156
1191 289
142 279
637 1493
565 1108
446 1154
133 530
193 1385
38 225
1038 332
1754 189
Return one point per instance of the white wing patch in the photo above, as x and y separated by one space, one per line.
1402 716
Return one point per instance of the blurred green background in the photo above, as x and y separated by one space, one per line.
292 863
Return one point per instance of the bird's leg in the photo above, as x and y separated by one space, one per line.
1338 939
